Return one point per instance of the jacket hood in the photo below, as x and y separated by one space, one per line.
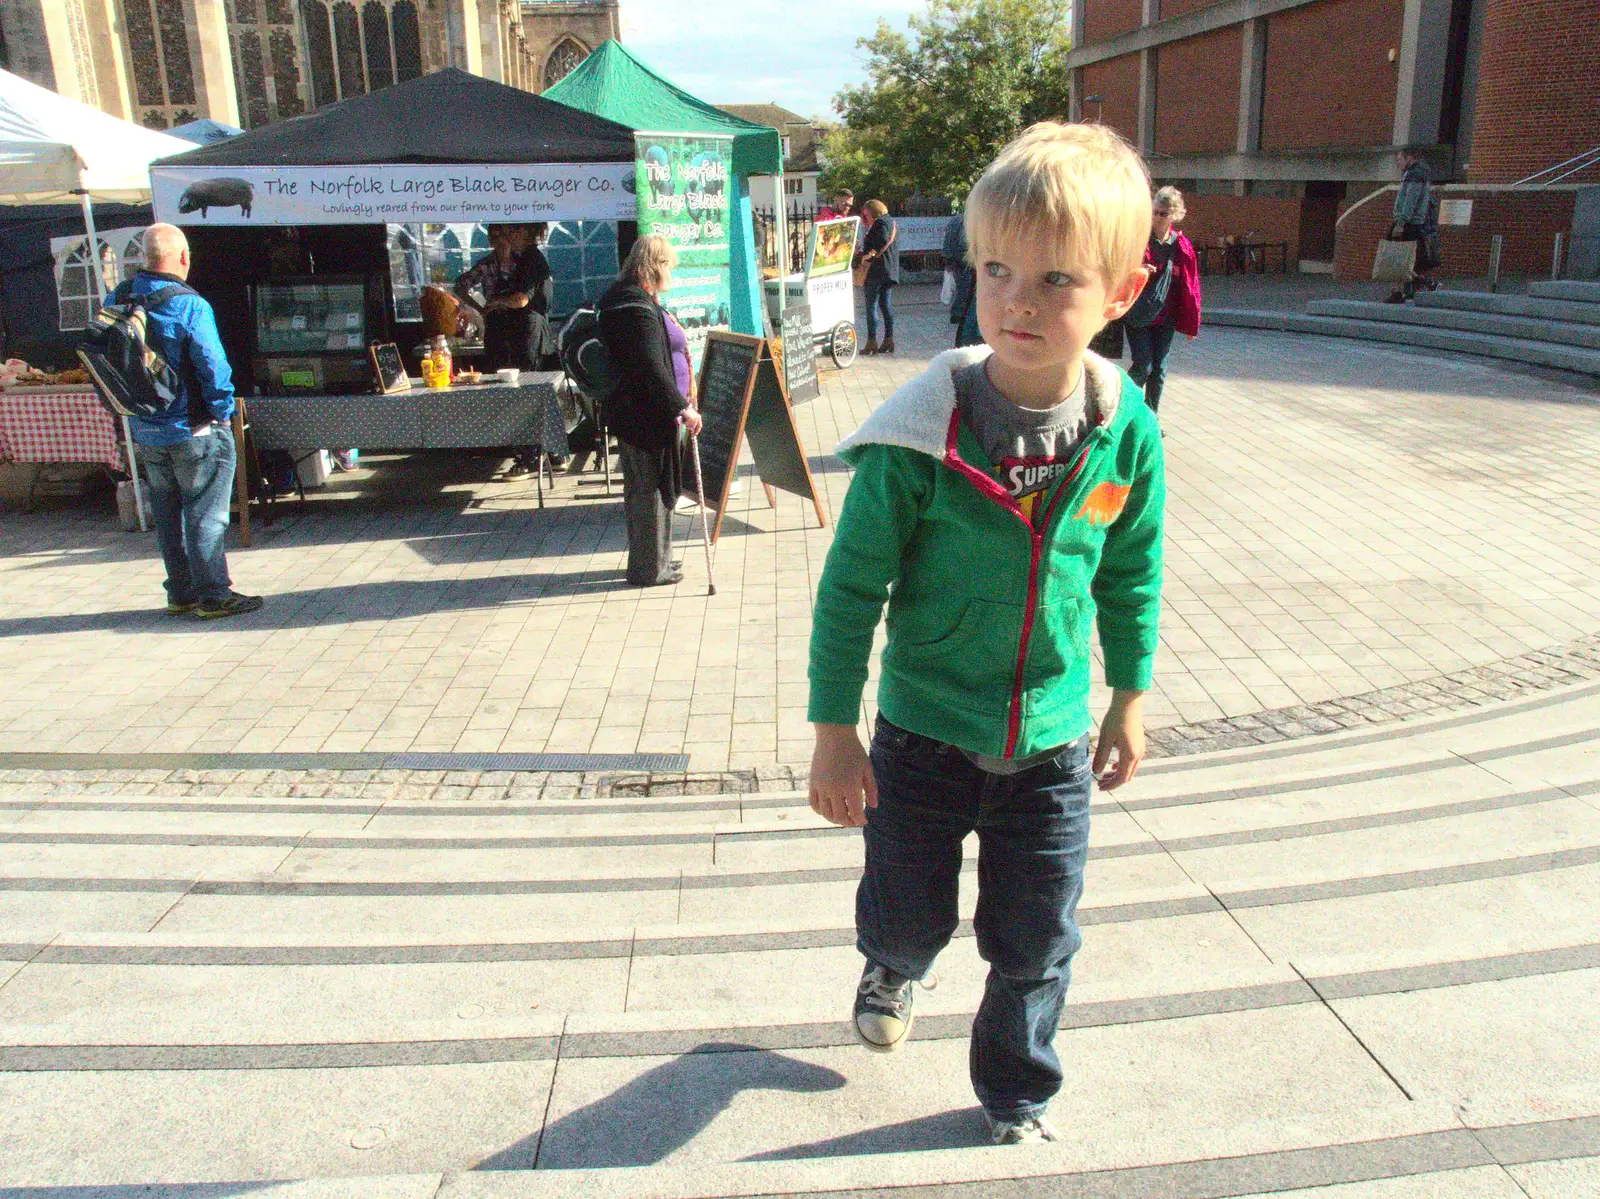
917 416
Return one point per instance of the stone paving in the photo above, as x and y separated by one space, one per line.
1355 533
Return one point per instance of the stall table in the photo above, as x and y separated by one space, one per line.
487 415
44 425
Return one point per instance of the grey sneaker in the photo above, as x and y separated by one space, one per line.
234 605
1030 1130
883 1015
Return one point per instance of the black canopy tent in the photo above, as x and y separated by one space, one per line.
449 118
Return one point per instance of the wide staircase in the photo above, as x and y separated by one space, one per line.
1556 324
1351 959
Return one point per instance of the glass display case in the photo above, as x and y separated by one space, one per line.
324 316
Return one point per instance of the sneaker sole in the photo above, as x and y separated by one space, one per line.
229 612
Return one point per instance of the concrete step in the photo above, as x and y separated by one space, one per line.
1570 311
1533 353
1566 289
1570 333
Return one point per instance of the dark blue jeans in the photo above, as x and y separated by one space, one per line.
877 294
1149 347
1033 838
190 485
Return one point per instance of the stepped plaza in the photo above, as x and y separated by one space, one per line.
462 870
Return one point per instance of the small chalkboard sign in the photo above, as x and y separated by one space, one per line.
799 355
742 396
389 369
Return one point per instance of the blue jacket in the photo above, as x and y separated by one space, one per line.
184 332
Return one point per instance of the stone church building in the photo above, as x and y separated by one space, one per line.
247 62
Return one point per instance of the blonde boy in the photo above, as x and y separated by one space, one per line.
1003 503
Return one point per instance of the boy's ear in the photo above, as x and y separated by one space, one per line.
1121 297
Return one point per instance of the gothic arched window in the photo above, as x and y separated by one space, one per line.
319 47
375 32
569 52
407 41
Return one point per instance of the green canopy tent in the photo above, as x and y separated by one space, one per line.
612 83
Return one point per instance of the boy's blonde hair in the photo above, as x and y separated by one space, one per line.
1081 187
649 262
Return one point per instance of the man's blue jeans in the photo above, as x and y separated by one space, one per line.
1033 838
190 485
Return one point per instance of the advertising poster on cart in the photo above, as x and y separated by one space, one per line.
683 196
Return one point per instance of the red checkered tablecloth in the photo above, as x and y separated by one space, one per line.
59 426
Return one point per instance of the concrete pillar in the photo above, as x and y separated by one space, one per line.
1149 65
1252 84
1419 90
1151 12
491 40
212 58
1075 94
466 50
104 22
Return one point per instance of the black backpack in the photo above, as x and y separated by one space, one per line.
132 379
584 355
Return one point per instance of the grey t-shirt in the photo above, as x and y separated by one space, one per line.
1032 447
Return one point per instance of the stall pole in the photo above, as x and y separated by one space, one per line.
100 299
781 218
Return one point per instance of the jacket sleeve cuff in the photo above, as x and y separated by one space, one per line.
834 703
1131 672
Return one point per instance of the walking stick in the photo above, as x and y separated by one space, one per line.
705 524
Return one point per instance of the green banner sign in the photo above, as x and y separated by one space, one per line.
684 196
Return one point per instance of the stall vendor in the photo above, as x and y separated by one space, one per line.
514 280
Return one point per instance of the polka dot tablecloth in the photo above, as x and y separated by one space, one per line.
59 426
481 417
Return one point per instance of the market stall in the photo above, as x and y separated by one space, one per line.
820 302
288 227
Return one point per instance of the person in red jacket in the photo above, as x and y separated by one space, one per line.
1171 300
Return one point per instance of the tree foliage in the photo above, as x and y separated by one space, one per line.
941 99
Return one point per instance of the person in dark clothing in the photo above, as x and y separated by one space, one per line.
963 306
882 260
647 407
1416 218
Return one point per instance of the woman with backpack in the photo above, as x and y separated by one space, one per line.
647 405
1170 302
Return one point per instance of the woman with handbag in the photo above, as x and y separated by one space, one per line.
878 271
1170 302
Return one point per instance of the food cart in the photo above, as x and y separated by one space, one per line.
827 287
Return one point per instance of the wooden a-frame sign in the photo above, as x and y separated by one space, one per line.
743 398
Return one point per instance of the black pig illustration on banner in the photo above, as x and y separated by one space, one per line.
217 193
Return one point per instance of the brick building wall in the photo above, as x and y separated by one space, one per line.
1329 81
1197 93
1538 89
1116 81
1273 220
1527 221
1104 19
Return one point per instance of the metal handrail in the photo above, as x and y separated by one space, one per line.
1591 157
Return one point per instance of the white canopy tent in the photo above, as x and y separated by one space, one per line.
53 149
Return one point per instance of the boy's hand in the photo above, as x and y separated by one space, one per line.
842 786
1123 731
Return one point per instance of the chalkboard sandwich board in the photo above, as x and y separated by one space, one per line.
743 398
799 354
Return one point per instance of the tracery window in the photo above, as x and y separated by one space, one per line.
569 52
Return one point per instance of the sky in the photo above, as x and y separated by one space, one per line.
759 51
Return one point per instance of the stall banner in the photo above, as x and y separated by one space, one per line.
393 194
920 234
682 184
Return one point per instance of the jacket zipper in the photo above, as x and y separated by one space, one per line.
991 488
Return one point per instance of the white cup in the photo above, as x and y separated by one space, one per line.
508 375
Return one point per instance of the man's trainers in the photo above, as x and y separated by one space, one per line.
883 1009
234 605
1030 1130
178 608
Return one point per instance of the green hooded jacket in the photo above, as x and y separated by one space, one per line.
989 618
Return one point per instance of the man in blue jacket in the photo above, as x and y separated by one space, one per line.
187 451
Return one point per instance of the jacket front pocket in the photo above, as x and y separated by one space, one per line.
1060 641
971 665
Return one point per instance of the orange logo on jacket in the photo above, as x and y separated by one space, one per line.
1105 504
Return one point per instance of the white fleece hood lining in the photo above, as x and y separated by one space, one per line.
917 416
